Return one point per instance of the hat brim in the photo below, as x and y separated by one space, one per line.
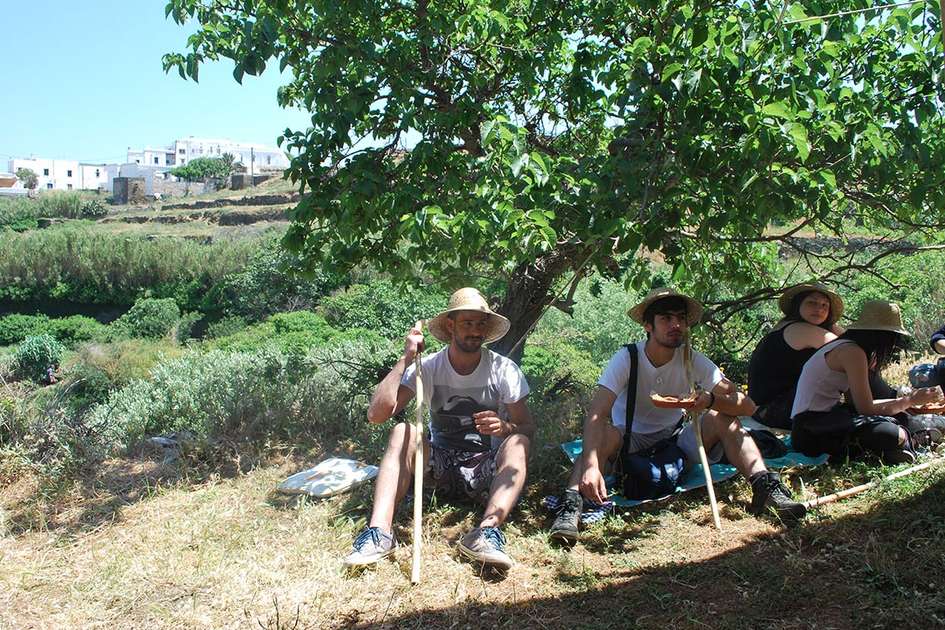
498 325
836 302
694 308
895 329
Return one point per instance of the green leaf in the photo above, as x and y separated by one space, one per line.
670 70
801 142
778 109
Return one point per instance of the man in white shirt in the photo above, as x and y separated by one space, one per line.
480 430
666 316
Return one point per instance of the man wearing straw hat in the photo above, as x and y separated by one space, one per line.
666 316
480 430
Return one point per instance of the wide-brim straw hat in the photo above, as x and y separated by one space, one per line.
880 315
693 307
836 302
469 299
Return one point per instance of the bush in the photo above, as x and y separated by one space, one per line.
98 369
553 366
149 318
18 215
254 395
93 209
15 328
382 306
225 327
267 285
76 329
61 203
35 355
82 264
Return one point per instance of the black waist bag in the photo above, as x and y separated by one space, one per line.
654 472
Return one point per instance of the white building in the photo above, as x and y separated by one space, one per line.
255 157
63 174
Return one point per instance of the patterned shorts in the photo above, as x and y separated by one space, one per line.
462 474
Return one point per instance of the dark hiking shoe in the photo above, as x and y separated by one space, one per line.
567 517
902 455
486 545
768 493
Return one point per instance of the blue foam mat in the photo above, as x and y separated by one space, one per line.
693 476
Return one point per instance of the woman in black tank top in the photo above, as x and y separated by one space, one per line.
810 315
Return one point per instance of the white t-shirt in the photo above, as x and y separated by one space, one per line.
453 398
668 380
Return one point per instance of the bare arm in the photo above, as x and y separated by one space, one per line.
728 400
851 359
390 396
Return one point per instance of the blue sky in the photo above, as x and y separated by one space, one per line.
83 80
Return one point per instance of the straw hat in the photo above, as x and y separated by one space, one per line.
693 307
469 299
879 315
836 302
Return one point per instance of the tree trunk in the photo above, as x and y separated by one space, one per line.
529 291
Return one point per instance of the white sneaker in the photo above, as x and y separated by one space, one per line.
370 547
486 545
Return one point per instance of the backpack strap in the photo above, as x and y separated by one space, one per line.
631 395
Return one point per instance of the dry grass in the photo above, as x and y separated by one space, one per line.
137 544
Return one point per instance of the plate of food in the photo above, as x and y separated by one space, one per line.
673 402
934 407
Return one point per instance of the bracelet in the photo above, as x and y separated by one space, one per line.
711 400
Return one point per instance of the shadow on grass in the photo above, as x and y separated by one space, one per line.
878 568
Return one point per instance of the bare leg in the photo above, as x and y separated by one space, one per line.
511 462
740 449
609 441
395 474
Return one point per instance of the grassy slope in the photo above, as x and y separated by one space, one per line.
139 546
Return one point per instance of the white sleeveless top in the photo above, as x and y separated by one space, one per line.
820 388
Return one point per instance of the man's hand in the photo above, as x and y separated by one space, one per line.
414 343
592 485
703 400
488 423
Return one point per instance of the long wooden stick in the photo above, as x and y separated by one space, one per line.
849 492
418 470
697 427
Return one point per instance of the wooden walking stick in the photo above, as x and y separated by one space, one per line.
849 492
418 469
697 427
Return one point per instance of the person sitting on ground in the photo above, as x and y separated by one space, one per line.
823 423
938 341
666 316
810 319
480 430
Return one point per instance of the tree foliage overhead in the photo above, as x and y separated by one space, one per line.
548 138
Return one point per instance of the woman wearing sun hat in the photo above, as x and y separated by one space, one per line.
811 312
825 424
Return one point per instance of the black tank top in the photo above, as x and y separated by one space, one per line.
775 367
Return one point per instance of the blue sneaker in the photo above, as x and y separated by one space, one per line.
486 545
371 546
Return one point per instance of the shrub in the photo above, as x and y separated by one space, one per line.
186 325
35 355
61 203
149 318
267 285
15 328
79 263
247 395
382 306
225 327
76 329
18 215
553 366
98 369
93 209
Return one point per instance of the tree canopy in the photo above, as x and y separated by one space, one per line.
28 177
203 168
536 141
